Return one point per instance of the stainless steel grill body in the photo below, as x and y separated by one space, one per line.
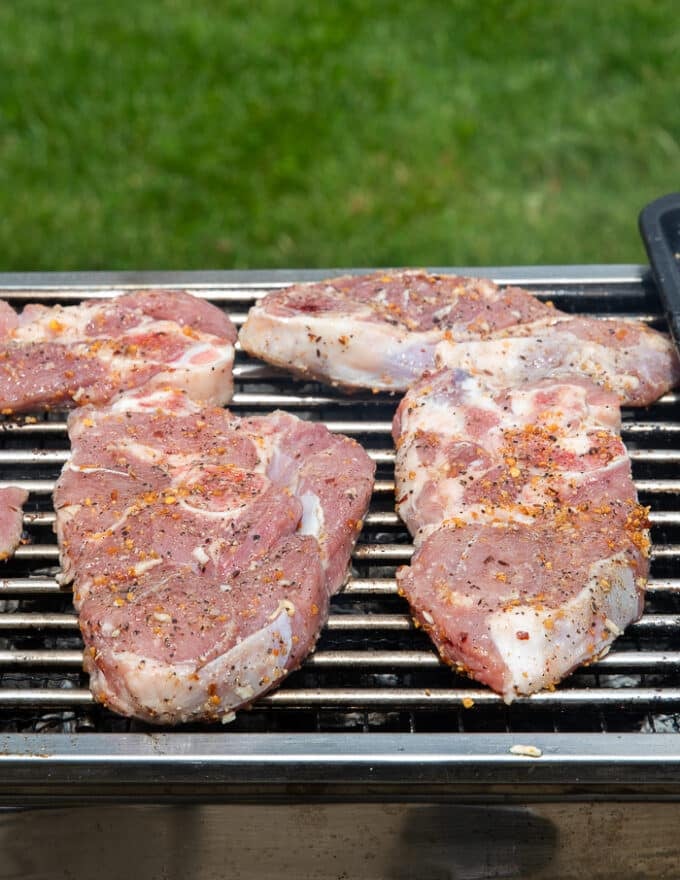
373 713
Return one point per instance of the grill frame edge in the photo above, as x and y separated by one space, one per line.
56 768
245 767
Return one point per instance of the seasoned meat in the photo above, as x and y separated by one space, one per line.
626 357
203 548
384 331
379 330
464 451
519 605
66 356
531 549
12 500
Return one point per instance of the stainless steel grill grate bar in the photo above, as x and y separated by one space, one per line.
337 622
383 698
622 660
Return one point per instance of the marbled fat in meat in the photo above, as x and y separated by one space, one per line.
12 500
531 551
57 357
634 361
519 605
381 330
203 548
463 450
384 330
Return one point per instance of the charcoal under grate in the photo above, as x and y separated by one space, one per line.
372 670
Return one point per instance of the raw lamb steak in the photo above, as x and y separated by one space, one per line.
383 331
66 356
531 549
203 548
626 357
12 500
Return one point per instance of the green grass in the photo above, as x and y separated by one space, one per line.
201 134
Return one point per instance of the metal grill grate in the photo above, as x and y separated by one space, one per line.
372 669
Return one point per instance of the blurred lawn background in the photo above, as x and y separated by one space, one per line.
205 134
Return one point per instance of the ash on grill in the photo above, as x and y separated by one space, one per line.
372 669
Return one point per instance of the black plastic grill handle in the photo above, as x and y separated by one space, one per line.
659 224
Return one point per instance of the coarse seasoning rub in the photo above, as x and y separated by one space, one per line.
384 330
203 548
64 356
531 551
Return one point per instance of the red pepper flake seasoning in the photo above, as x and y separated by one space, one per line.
522 635
213 698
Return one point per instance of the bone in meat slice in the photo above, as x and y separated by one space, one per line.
518 606
531 549
203 549
383 331
378 331
12 500
634 361
67 356
466 452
